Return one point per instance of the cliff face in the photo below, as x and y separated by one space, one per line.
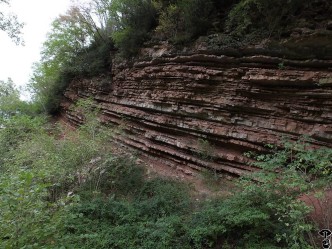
204 109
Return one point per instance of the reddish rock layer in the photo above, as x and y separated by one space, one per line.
169 105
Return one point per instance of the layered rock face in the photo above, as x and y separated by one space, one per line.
204 110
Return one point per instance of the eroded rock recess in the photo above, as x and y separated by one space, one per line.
204 109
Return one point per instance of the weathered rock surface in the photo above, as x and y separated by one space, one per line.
168 104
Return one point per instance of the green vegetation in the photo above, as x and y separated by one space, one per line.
10 24
65 189
263 17
184 19
205 149
9 99
76 47
133 21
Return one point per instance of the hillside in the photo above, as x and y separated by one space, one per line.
173 124
232 92
171 104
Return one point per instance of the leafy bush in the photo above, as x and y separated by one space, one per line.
26 219
38 177
50 80
197 14
129 40
248 16
133 21
185 19
267 211
117 175
171 22
16 130
78 45
91 61
159 198
153 219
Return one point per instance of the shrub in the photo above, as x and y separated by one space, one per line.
133 21
155 218
267 212
89 62
197 14
270 16
159 198
16 130
38 177
185 19
129 40
171 22
114 175
26 219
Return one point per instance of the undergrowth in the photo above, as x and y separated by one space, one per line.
74 193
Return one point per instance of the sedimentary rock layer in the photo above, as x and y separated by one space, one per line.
202 110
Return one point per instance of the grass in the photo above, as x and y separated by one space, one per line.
74 193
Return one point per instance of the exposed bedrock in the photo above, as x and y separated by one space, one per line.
170 105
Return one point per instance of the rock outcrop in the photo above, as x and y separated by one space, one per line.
205 109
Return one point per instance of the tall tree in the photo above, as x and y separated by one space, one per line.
9 99
9 23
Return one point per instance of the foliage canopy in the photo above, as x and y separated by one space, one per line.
10 24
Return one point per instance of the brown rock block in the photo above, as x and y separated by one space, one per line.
200 110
